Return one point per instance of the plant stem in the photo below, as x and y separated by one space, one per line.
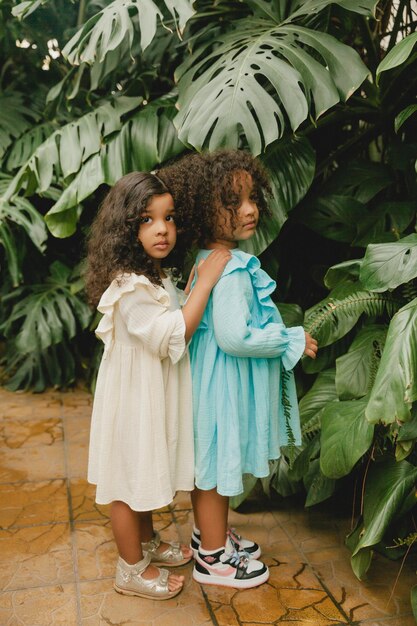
81 13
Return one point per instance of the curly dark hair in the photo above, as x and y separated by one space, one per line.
113 247
201 183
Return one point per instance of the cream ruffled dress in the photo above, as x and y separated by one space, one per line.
141 441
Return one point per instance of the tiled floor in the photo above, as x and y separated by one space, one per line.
57 555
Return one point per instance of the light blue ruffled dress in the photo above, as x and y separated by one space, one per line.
240 354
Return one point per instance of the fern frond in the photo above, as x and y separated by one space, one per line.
409 290
312 426
286 403
334 317
406 541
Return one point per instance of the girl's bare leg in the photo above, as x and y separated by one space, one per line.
126 528
210 517
147 532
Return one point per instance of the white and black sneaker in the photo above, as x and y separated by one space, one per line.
229 568
252 548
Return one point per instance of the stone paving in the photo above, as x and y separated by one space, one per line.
57 555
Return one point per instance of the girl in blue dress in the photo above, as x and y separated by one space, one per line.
240 355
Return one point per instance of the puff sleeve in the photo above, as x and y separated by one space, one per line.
144 309
232 299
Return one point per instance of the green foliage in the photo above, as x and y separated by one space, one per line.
41 323
395 387
264 78
345 437
386 266
132 84
398 55
388 489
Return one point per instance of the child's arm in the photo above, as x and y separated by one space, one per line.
209 273
236 336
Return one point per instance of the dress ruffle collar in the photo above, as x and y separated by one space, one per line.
121 285
261 281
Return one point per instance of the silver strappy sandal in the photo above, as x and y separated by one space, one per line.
129 581
171 557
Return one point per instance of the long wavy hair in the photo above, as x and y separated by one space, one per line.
113 247
201 184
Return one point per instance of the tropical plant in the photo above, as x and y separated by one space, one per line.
324 92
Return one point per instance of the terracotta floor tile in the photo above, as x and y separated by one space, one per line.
29 405
40 463
30 432
100 604
96 550
43 606
77 434
293 576
226 616
83 501
35 556
261 604
31 503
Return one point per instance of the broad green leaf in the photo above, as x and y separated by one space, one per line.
26 144
311 404
398 55
326 356
388 486
356 370
292 314
47 315
404 115
16 118
291 165
345 437
136 147
318 486
359 179
69 147
347 270
408 430
257 78
249 483
386 222
395 387
282 481
364 7
334 217
336 315
24 9
301 464
118 25
360 562
385 266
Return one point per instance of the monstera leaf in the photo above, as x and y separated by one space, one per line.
291 166
15 119
388 265
263 78
115 27
146 139
22 213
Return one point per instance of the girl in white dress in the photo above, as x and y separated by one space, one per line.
141 441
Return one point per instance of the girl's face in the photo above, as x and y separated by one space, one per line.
157 230
242 225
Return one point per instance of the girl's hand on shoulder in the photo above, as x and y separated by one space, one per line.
211 268
311 346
